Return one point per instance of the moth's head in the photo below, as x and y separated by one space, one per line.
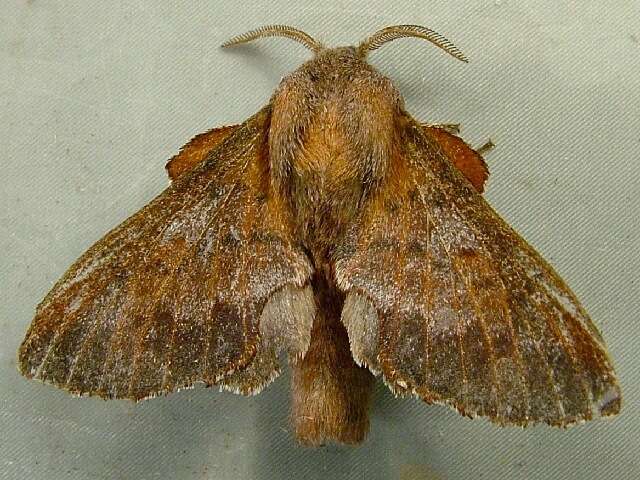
336 104
336 69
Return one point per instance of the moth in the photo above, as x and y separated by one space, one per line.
335 229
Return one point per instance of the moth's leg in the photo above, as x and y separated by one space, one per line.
463 156
453 128
487 147
330 392
197 150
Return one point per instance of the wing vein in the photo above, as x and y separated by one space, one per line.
527 324
457 307
182 259
160 289
207 351
65 325
570 349
507 312
429 299
428 250
85 341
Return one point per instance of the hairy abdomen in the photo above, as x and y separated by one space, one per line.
330 392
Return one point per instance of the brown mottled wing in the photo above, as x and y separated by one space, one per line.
449 303
174 295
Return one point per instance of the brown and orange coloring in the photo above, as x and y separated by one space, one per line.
333 226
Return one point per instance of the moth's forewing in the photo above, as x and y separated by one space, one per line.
174 294
468 313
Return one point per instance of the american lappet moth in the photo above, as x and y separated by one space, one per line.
335 229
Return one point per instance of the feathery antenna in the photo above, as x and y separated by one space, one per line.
276 31
388 34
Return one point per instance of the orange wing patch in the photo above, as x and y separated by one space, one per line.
197 150
465 158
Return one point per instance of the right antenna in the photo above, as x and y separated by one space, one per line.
387 34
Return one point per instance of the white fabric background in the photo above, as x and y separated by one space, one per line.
96 96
